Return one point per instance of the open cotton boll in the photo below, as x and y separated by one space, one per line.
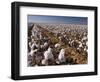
30 44
41 46
48 54
32 52
57 45
61 56
44 62
45 44
84 38
80 44
33 46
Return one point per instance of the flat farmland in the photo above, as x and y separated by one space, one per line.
68 37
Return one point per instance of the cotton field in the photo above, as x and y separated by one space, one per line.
57 44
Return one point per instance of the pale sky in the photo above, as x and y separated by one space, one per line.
57 19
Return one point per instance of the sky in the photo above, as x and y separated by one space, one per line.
57 19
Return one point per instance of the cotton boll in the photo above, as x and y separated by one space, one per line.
84 38
41 46
57 45
30 44
45 44
33 46
44 62
61 56
48 54
32 52
80 45
57 62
